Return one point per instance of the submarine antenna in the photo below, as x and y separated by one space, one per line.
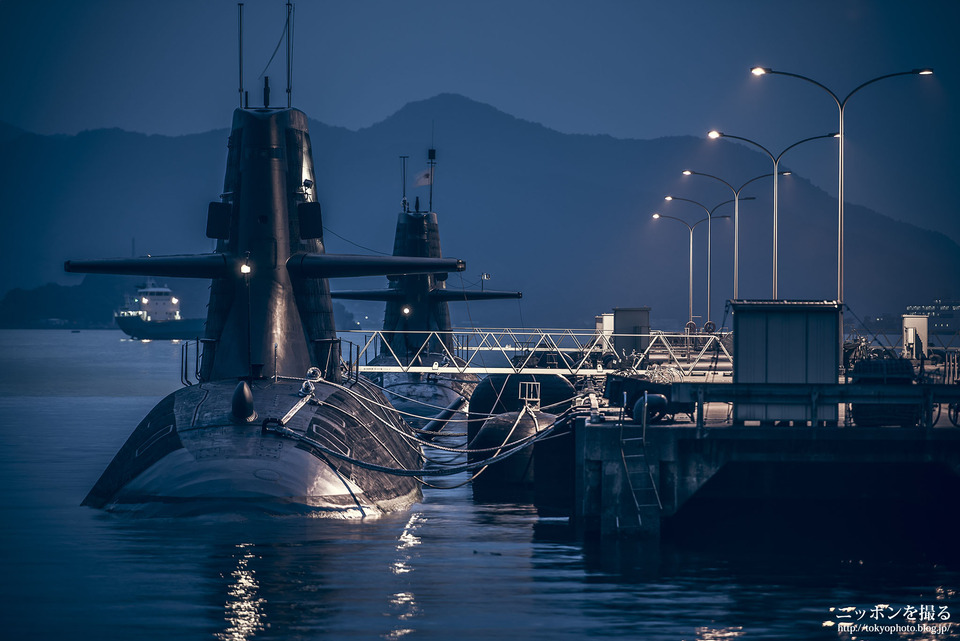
404 204
289 56
283 36
431 162
240 46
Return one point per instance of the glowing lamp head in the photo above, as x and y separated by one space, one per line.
406 310
144 300
656 216
668 197
713 135
760 71
923 72
687 172
245 267
175 300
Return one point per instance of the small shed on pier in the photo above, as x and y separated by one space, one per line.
786 342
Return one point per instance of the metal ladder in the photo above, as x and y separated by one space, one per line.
644 491
645 495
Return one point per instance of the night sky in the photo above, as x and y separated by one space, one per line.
630 69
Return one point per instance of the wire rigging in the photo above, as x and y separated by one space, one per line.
347 240
283 35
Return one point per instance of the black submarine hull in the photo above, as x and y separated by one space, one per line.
191 452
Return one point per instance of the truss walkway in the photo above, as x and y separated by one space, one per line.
673 357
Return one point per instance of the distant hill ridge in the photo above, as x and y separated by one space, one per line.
566 218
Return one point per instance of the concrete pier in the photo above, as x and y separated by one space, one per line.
815 468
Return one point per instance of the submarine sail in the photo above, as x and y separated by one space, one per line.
417 327
271 421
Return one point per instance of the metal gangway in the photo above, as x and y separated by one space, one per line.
672 357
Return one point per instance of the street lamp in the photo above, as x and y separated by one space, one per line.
776 164
690 228
762 71
709 238
736 219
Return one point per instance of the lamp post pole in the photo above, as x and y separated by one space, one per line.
690 228
736 219
841 103
709 239
776 164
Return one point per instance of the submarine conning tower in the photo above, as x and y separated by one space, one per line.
417 304
270 311
418 234
269 175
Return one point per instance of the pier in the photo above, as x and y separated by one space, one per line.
769 421
636 480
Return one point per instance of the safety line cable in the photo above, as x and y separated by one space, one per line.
285 431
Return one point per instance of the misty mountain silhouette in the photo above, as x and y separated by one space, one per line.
564 218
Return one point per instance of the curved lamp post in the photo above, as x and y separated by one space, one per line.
841 103
709 213
690 228
736 219
713 135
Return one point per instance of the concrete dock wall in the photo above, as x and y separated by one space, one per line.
808 465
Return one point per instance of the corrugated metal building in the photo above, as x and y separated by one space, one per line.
788 342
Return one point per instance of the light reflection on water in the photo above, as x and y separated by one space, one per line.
408 539
449 568
403 605
717 634
244 607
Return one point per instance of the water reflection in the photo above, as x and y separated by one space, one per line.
719 634
408 539
404 603
244 607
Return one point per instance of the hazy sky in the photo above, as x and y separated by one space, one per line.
633 69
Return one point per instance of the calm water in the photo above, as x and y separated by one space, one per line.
449 568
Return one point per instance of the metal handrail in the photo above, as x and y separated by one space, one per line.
515 351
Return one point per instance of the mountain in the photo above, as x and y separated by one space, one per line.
564 218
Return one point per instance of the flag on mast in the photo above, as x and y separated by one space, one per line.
424 178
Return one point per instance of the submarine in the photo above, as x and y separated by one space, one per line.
416 325
272 421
